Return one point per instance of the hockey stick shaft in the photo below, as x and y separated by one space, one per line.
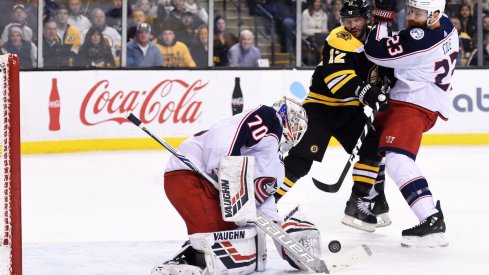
132 118
333 188
269 227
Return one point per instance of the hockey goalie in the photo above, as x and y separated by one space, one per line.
243 154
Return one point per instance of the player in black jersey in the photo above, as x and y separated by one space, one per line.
342 84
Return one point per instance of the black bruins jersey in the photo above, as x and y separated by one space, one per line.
344 67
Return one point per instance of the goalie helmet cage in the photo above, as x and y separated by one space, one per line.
10 215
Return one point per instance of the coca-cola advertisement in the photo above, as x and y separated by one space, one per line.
102 103
175 104
88 106
54 107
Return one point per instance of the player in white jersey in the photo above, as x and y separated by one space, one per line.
264 133
423 56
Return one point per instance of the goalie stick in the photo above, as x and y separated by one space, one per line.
333 188
269 227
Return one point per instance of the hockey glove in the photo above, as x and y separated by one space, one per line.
305 232
372 96
385 10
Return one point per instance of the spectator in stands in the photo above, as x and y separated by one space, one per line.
186 30
452 8
334 17
137 17
465 44
314 19
176 13
26 50
30 8
178 10
175 53
4 20
473 7
200 50
485 25
485 54
141 52
164 7
55 54
467 20
19 17
113 15
111 36
196 9
150 11
244 53
31 14
95 52
223 40
49 9
76 18
286 20
67 34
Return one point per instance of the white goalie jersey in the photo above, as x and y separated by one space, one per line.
256 133
423 60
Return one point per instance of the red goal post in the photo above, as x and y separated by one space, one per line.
10 204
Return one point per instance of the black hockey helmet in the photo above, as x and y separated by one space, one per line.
354 8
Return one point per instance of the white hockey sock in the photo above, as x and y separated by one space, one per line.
412 184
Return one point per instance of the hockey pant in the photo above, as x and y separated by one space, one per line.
197 202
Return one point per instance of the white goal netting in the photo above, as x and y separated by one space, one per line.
7 204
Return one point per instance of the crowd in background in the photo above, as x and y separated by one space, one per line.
174 33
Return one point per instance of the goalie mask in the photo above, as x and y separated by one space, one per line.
294 122
431 6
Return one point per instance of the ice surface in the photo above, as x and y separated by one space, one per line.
106 213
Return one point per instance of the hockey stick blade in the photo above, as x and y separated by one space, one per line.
333 188
329 188
349 258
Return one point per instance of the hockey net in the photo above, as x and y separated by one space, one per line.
10 218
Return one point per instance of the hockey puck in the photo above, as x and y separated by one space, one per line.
334 246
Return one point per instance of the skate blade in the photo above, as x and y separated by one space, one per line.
383 220
358 224
431 241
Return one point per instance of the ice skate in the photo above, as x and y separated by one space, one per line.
358 215
429 233
380 209
187 261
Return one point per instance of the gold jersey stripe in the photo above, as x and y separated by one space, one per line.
362 166
342 83
330 99
288 182
351 103
280 191
364 179
337 74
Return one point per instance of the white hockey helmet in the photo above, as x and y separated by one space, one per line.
294 122
431 6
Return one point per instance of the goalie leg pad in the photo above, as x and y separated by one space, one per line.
228 252
236 190
261 250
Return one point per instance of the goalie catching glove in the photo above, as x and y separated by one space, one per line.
303 231
374 97
385 10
